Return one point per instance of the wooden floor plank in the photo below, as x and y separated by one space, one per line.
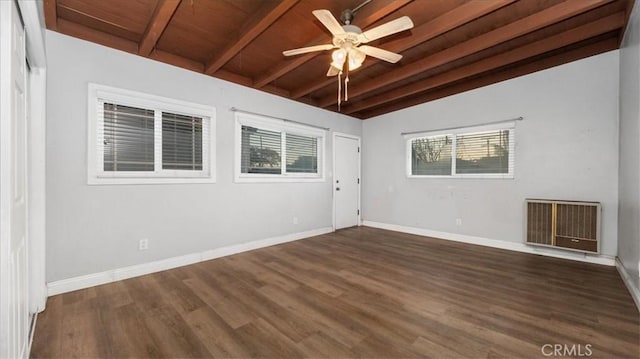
174 336
119 323
320 345
356 293
220 339
83 336
49 328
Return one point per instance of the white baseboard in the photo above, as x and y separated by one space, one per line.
512 246
631 286
91 280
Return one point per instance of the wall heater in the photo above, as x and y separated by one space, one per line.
571 225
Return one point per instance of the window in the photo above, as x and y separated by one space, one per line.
271 150
479 152
139 138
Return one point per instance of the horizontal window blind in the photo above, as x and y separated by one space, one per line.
486 152
138 138
128 138
431 156
261 151
302 154
275 150
181 142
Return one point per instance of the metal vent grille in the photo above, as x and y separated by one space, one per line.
577 221
565 224
540 223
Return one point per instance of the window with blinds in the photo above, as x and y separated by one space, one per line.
483 153
128 138
463 153
140 138
302 154
181 142
261 151
273 150
431 156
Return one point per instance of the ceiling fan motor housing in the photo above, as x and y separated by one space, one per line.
346 16
350 35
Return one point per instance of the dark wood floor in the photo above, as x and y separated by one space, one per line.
359 292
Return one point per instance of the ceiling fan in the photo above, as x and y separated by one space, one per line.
348 40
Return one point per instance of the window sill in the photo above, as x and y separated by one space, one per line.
149 180
497 177
274 179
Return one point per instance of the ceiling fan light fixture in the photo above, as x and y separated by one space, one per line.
356 58
353 65
339 56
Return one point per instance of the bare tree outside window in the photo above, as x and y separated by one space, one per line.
486 153
431 155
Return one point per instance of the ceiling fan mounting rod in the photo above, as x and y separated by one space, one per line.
360 6
347 15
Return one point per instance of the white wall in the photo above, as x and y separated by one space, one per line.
629 185
566 148
96 228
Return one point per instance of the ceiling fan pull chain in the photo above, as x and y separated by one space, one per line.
339 88
346 88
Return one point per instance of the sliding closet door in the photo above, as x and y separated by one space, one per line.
14 312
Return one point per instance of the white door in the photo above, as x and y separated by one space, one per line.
14 313
346 180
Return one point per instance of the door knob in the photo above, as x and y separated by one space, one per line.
337 188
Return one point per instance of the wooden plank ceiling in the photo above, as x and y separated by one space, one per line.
455 46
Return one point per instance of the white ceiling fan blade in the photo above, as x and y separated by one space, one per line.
304 50
330 22
332 71
381 54
392 27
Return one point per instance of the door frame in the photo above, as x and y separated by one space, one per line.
333 173
36 152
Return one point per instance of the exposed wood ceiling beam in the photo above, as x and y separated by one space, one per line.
505 33
438 26
595 28
288 66
175 60
276 91
506 74
267 16
459 16
99 37
298 61
233 77
80 17
159 21
523 37
384 11
51 14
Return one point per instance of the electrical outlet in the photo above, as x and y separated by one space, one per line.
143 244
295 220
458 221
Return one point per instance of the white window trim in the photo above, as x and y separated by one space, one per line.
277 125
510 126
98 94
